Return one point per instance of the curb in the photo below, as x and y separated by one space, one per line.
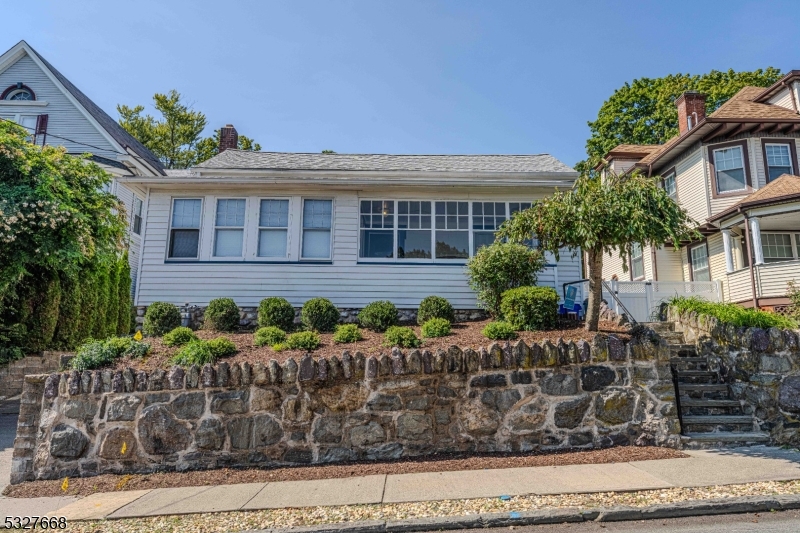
744 504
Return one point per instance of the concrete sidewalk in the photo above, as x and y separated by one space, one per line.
702 468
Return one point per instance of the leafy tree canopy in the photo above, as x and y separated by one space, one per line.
176 137
644 112
603 216
54 214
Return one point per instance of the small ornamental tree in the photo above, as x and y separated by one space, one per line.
603 216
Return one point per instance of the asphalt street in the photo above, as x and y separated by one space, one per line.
777 522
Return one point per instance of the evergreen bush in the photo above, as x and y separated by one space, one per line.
179 336
319 314
222 314
401 336
436 327
303 340
112 313
435 307
222 347
269 336
276 312
499 330
99 319
41 313
530 308
194 353
124 319
347 333
378 316
160 317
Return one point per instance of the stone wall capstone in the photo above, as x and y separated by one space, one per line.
504 397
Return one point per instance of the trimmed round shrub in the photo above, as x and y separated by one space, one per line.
94 354
276 312
160 318
401 336
194 353
501 266
303 340
269 336
346 333
499 331
120 344
221 347
222 314
435 307
436 327
530 308
378 316
319 314
179 336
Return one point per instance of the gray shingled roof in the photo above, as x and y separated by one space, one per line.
117 132
239 159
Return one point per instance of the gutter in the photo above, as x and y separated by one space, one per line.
320 180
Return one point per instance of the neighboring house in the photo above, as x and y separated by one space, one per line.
725 169
37 96
354 228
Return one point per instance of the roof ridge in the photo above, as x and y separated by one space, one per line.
391 155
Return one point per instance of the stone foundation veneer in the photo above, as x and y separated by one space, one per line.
509 397
761 366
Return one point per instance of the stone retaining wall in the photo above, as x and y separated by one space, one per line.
248 316
11 375
510 397
762 367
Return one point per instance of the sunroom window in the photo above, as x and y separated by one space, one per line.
377 229
414 230
184 236
776 247
486 219
729 169
229 228
452 230
273 228
317 225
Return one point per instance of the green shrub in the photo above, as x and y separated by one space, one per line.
94 354
124 319
378 316
435 307
160 318
41 313
730 313
99 320
137 349
194 353
346 333
269 336
303 340
793 292
133 314
87 288
401 336
179 336
501 266
319 314
222 347
68 327
276 312
112 309
11 339
499 331
436 327
530 308
222 314
120 344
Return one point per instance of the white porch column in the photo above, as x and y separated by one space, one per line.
755 234
726 244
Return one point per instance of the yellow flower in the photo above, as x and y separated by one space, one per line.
65 484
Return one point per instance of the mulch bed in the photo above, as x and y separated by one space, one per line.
464 335
442 463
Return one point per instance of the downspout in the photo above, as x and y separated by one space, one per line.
653 259
750 260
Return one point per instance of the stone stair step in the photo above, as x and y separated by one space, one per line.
683 348
660 326
727 437
710 387
717 419
697 402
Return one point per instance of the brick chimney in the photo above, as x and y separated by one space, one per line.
691 110
228 138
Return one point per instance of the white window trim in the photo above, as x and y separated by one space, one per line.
766 161
199 229
394 258
793 238
691 261
674 176
717 170
141 216
302 229
214 257
257 224
17 117
641 257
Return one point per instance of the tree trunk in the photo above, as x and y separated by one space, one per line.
595 274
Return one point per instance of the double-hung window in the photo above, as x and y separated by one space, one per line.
776 247
414 233
698 256
779 160
729 169
670 186
273 228
377 229
229 227
136 223
184 238
317 225
486 219
637 262
452 230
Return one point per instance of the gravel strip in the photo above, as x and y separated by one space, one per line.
293 517
464 334
225 476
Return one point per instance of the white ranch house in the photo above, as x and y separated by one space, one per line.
353 228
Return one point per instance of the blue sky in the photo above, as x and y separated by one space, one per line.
397 77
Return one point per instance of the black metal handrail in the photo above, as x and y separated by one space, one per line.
614 295
677 396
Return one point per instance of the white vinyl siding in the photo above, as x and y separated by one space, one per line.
348 283
690 180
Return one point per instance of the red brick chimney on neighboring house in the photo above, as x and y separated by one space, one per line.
228 138
691 110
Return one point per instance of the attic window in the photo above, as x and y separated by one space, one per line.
18 92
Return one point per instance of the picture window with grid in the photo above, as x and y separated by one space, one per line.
486 219
414 230
452 230
377 229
